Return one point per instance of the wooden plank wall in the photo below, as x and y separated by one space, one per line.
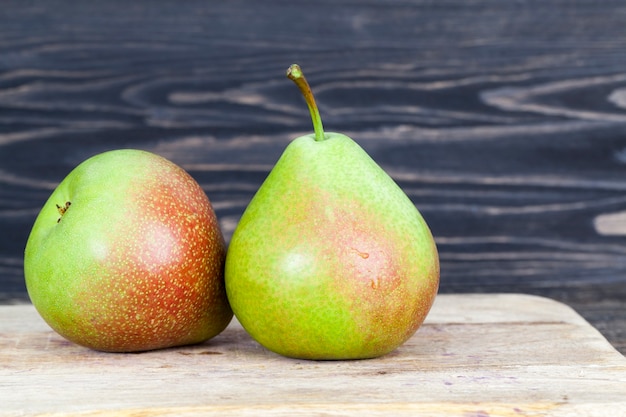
504 122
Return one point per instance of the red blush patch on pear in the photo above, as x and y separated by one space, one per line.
155 272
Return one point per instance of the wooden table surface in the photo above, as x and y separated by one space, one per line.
504 122
520 356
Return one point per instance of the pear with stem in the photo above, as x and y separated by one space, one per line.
331 259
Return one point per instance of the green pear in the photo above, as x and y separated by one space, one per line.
127 255
331 259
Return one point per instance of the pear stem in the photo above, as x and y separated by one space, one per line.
294 73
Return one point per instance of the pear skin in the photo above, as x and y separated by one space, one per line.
127 255
331 259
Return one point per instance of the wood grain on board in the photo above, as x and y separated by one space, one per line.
476 356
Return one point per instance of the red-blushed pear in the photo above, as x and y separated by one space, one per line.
331 259
127 255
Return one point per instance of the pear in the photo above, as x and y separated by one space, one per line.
331 260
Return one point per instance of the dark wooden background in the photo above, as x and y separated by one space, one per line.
504 121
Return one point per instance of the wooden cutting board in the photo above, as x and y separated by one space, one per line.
476 356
